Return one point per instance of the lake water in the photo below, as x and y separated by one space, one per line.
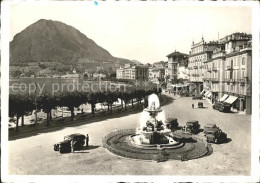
53 85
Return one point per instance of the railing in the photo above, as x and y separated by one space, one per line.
214 79
214 68
228 67
206 79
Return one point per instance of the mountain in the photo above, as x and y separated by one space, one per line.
55 43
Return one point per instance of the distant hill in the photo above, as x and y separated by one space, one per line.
47 42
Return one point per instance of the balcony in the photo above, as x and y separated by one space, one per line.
195 67
214 69
228 67
215 80
206 79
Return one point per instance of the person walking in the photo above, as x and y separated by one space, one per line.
192 106
87 140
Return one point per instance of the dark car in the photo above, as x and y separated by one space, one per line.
172 123
217 105
214 134
192 126
224 107
200 104
198 97
65 146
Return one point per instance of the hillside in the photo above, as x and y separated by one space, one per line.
55 43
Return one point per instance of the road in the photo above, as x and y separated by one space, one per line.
35 156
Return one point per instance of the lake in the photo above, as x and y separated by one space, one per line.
53 85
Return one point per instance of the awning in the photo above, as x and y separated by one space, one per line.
225 96
207 92
202 92
231 99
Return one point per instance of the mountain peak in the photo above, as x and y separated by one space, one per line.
56 42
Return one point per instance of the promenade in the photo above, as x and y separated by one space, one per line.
34 155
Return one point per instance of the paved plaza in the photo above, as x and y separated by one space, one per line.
35 155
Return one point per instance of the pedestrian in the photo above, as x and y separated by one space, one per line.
192 106
87 139
72 146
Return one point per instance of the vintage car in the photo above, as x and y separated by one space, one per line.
200 104
214 134
65 146
224 107
217 105
197 97
172 123
191 126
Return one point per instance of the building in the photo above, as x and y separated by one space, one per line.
228 73
132 72
156 74
120 73
183 71
238 70
174 59
200 53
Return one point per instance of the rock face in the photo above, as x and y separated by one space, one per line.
53 41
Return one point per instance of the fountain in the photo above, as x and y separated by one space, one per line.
153 138
153 128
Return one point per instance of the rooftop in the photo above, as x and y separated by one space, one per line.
176 53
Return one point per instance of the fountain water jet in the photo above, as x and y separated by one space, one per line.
152 128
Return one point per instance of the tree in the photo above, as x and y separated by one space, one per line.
111 97
92 100
70 100
126 97
47 102
19 105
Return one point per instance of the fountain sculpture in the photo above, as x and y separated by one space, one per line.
153 127
154 138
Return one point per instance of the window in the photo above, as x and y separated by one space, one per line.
243 61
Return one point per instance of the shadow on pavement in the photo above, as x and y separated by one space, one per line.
90 147
226 141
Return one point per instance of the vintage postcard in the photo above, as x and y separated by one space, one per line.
130 91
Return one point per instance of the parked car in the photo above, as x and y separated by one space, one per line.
214 134
197 97
65 145
224 107
192 126
200 104
217 105
172 123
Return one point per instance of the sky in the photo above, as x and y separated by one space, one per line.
140 31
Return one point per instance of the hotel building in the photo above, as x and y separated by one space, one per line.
228 73
132 72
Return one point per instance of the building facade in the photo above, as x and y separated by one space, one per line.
156 74
200 53
132 72
228 73
174 60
